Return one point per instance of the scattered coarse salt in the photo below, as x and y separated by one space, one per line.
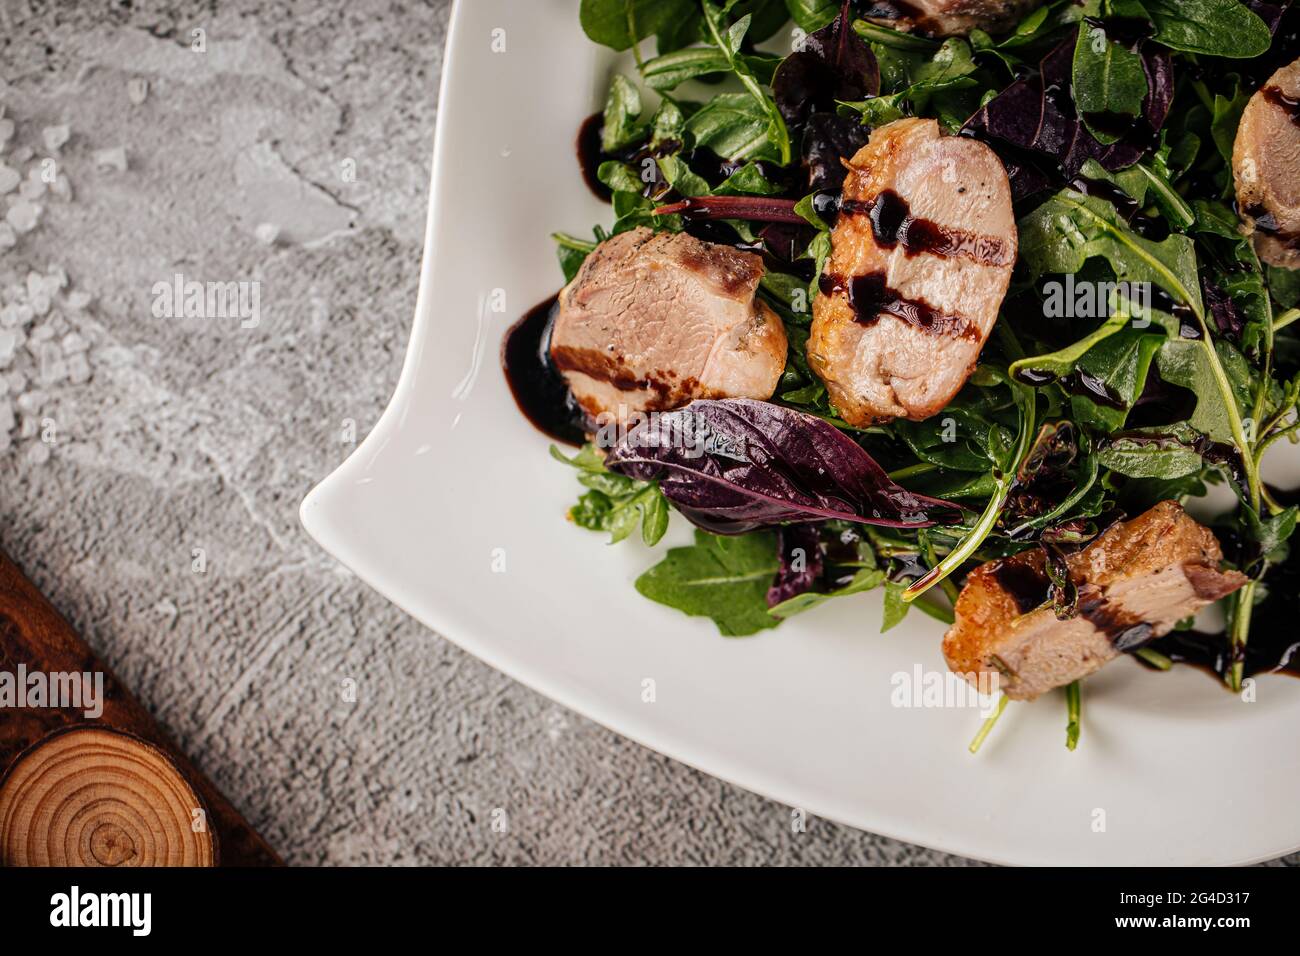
23 216
33 188
8 345
137 90
114 158
55 136
78 369
73 343
29 403
9 179
78 300
267 233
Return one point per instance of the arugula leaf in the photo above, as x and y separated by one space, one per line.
1185 362
1069 228
734 126
622 115
615 503
619 24
723 578
572 253
1165 451
1215 27
1108 80
866 579
728 40
672 69
812 15
1120 365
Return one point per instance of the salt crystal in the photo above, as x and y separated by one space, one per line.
267 233
41 304
8 343
7 421
5 441
78 300
8 238
73 343
29 427
29 403
42 333
114 158
38 453
25 313
137 90
18 382
6 130
9 179
55 279
55 136
35 284
9 316
78 369
21 155
61 187
22 216
33 188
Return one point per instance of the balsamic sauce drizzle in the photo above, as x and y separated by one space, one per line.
892 223
537 385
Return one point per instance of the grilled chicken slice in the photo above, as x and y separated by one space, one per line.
946 18
1135 582
921 257
653 321
1266 167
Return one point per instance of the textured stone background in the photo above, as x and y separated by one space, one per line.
172 435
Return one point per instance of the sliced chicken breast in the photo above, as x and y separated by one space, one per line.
1266 168
921 258
653 321
945 18
1135 582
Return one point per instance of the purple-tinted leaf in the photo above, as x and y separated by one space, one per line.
827 140
733 465
1228 316
798 547
834 64
1036 115
1270 13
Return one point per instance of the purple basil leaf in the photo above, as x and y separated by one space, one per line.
1228 317
799 548
834 64
735 464
1270 13
829 138
1036 114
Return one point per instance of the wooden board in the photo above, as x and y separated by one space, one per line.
34 635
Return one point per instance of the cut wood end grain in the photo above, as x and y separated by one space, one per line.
91 796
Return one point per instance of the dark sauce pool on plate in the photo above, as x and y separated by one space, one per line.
537 385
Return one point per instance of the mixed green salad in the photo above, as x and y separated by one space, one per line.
1115 120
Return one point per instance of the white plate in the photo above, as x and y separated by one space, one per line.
1171 768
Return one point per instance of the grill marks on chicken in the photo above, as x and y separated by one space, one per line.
944 18
921 258
655 321
1266 168
1135 582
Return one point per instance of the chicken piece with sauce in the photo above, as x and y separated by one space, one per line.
921 258
1135 582
1266 168
946 18
653 321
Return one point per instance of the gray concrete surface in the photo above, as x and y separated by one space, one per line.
162 517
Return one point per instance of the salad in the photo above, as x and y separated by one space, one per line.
960 300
